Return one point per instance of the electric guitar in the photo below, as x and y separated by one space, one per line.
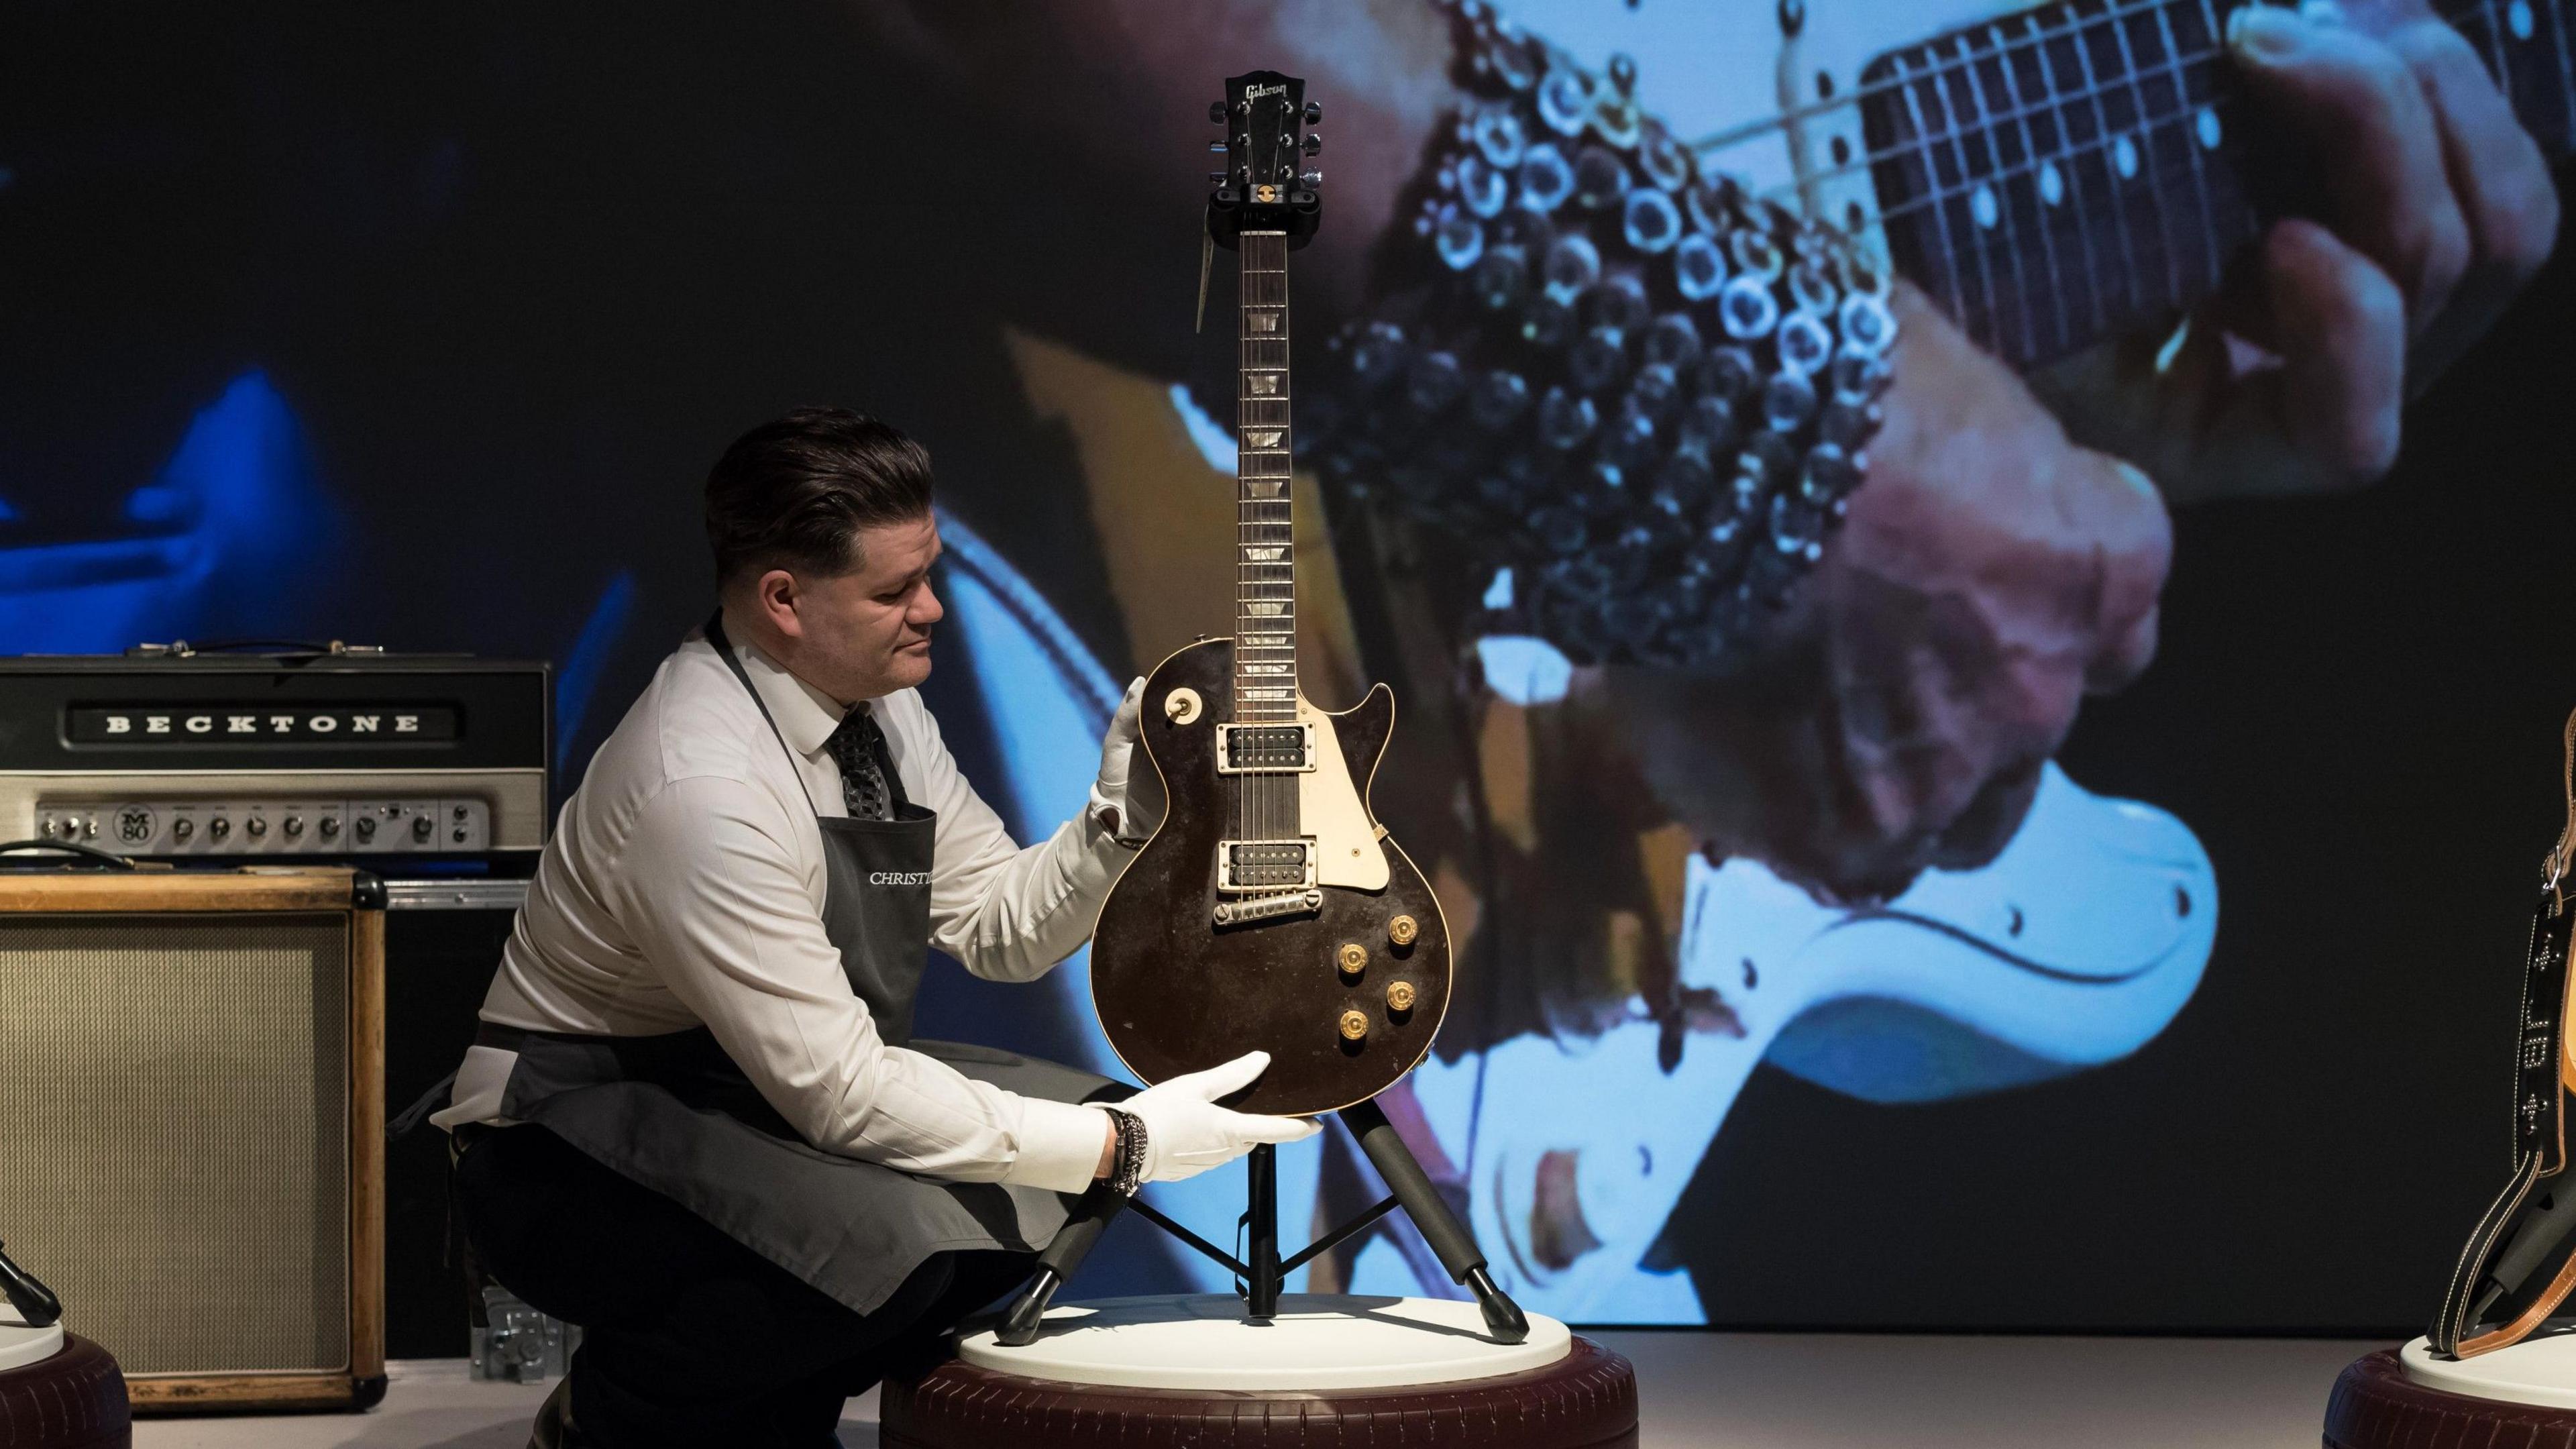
1270 910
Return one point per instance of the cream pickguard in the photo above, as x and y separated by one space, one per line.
1330 809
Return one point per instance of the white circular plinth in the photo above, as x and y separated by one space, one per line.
1318 1341
2535 1371
21 1345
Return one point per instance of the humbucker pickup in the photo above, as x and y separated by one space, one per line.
1265 748
1264 865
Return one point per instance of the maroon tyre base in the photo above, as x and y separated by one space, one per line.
1586 1400
74 1400
2376 1406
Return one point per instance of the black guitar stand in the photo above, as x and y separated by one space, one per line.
36 1304
1407 1187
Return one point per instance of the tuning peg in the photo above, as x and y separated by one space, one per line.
1312 179
1314 142
1216 112
1314 113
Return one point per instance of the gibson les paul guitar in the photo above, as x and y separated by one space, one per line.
1270 911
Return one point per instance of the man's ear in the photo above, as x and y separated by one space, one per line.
775 593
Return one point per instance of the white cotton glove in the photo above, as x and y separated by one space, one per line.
1128 798
1186 1133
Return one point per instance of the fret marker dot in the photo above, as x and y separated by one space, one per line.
2052 187
2206 127
2517 18
2124 156
1981 205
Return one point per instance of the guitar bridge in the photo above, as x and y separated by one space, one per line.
1244 866
1262 908
1245 749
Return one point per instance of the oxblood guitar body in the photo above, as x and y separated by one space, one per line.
1177 992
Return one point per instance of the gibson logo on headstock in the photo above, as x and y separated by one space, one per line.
1255 93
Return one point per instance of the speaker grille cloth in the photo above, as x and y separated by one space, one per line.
174 1102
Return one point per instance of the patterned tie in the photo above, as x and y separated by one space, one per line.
855 746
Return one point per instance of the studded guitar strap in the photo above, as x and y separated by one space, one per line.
2520 1263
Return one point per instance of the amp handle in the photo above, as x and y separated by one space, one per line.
104 859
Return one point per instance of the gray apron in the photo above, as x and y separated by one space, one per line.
675 1114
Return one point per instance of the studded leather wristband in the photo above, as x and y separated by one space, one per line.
1638 392
1128 1173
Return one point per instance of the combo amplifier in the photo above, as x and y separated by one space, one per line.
329 753
192 1097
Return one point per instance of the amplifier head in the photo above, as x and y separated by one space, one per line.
330 755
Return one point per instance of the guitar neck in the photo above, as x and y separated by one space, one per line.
1265 625
2076 170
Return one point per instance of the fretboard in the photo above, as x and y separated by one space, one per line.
2075 170
1265 626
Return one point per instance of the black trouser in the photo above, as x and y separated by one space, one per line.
688 1337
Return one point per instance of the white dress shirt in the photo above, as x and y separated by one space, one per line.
684 887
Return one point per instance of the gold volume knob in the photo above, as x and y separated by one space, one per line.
1399 996
1402 930
1354 1025
1352 958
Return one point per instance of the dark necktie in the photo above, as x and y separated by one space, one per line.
856 746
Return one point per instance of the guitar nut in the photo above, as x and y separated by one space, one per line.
1402 930
1352 959
1399 996
1354 1025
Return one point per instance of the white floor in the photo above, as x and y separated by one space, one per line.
1759 1391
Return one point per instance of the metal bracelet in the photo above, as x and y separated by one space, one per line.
1128 1174
1642 390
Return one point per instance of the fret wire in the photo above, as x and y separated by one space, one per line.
2039 215
2075 187
2199 173
2495 42
2566 72
1265 637
2093 86
1918 203
1861 93
2012 227
1914 107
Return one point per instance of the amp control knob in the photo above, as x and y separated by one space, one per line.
366 828
1354 1025
294 826
421 826
330 827
257 825
182 828
219 828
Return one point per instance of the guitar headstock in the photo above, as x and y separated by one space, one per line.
1266 184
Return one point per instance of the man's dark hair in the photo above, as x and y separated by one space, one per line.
794 493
